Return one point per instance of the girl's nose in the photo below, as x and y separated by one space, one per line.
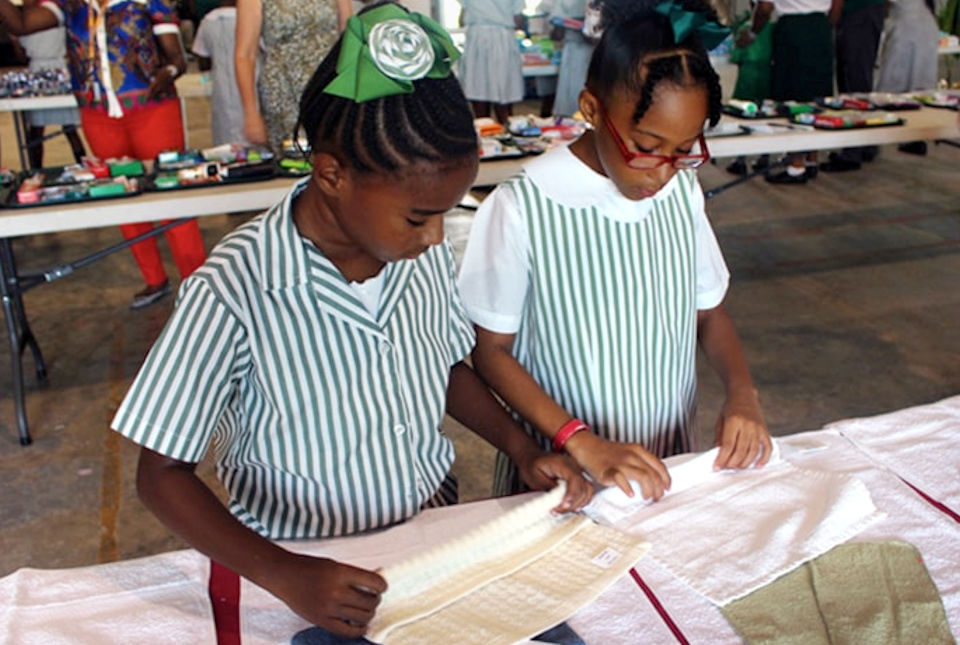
433 231
664 173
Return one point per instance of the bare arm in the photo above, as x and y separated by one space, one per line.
25 20
344 11
173 55
608 463
741 430
246 50
338 597
471 403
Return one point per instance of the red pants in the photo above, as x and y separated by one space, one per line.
142 133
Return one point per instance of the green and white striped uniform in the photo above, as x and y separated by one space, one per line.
325 419
608 325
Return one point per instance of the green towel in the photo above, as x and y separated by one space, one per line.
860 592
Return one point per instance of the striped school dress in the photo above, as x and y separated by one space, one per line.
610 321
323 416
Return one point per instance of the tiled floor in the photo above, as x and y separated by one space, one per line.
845 292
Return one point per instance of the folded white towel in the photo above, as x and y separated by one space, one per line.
728 533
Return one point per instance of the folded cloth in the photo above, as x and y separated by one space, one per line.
918 444
862 592
498 584
728 533
160 599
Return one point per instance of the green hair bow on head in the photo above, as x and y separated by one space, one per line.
384 50
685 22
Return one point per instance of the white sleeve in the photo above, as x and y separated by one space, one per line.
713 278
494 274
200 46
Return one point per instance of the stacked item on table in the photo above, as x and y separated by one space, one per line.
294 158
538 50
34 82
870 101
848 119
524 135
92 179
768 109
940 99
227 163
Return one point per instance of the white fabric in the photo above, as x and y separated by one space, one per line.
910 443
215 40
728 533
160 599
369 291
496 584
491 68
790 7
496 264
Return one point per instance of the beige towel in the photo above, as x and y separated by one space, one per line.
861 592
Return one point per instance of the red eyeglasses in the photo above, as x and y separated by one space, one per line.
648 161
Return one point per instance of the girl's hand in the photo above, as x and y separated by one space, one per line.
255 129
542 470
335 596
742 433
615 464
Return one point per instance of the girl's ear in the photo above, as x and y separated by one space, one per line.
328 173
590 107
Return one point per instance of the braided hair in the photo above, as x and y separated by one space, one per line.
637 52
433 123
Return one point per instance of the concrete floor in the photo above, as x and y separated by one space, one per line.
845 292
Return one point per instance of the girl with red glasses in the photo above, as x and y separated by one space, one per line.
593 275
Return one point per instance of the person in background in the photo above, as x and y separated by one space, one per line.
128 101
294 35
802 62
491 70
213 44
908 60
48 50
339 340
857 42
575 56
753 82
593 276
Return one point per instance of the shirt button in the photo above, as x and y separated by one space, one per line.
399 429
384 348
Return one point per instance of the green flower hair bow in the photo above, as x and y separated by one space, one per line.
685 22
384 50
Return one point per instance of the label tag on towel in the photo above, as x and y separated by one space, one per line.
606 558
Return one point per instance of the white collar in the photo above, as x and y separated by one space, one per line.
565 179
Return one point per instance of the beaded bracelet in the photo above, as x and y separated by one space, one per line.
567 430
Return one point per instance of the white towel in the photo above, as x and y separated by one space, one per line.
915 444
157 600
728 533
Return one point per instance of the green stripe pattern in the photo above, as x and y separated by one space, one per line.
609 325
324 419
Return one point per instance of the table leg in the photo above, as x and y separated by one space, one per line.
20 129
13 314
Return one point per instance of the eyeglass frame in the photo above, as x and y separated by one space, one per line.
628 155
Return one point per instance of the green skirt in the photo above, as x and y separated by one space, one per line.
802 57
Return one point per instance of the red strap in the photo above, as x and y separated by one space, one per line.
567 430
940 506
224 592
659 607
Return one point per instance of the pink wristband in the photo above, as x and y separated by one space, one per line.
567 430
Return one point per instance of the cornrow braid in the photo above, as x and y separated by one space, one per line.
432 123
637 52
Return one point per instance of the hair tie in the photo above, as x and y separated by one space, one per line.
384 50
685 22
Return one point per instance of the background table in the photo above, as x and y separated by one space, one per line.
163 598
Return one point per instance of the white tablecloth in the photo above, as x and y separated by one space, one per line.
163 598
